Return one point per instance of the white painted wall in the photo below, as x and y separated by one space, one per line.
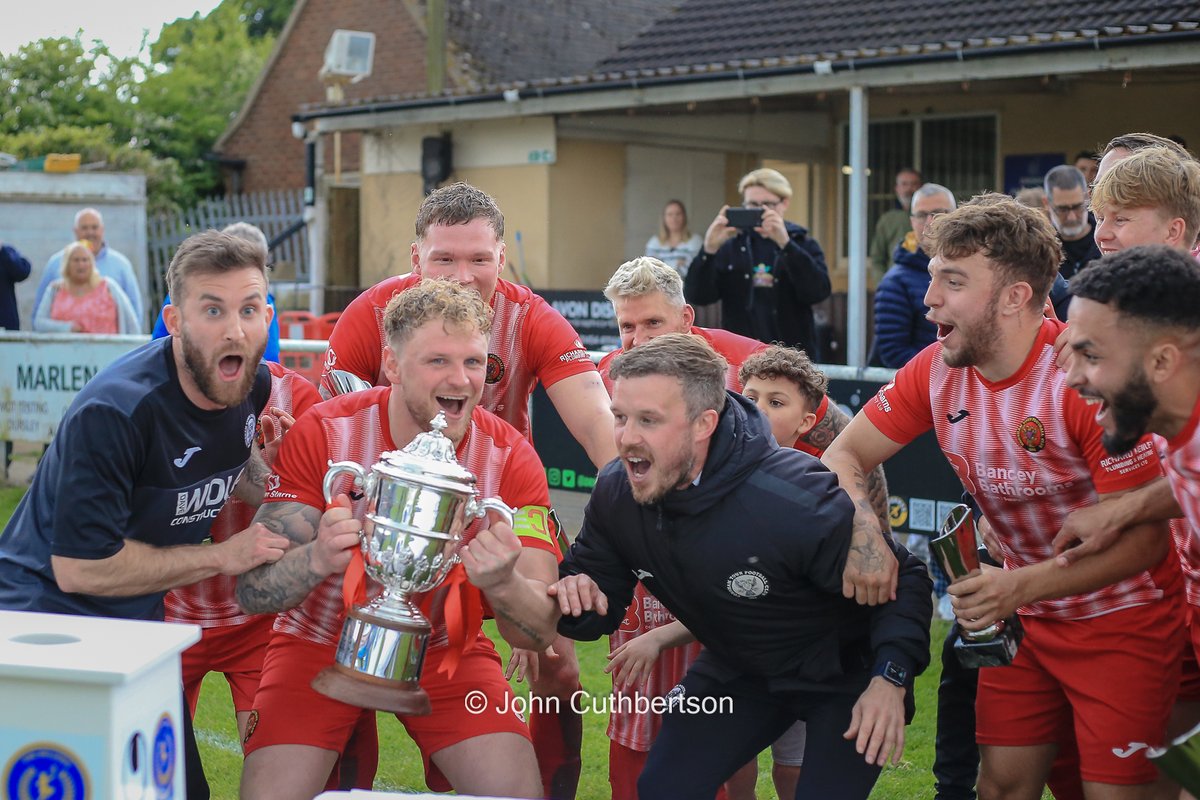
37 216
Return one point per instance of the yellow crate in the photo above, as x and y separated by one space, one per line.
63 162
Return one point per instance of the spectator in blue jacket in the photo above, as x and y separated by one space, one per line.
901 330
14 268
251 233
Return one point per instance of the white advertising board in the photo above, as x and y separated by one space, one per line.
40 374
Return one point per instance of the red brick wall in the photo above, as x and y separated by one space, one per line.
274 159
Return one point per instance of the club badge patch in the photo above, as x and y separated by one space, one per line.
748 584
1032 435
495 369
45 770
251 421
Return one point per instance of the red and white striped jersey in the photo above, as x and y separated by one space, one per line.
733 347
1181 459
529 342
354 427
211 603
629 728
1028 450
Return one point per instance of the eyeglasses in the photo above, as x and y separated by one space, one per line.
926 215
771 204
1063 211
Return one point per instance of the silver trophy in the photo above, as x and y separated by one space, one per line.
956 548
419 500
342 382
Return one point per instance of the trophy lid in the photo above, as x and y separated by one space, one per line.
429 456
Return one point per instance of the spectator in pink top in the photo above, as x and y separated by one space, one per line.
83 300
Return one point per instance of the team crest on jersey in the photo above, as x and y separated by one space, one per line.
1032 435
495 369
748 584
45 770
248 433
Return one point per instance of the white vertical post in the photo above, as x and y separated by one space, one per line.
317 218
856 295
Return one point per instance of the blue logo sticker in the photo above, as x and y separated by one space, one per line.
45 771
164 758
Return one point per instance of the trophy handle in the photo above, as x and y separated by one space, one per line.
479 508
361 478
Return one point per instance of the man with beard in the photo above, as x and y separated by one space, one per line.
648 301
1028 450
1067 204
436 361
1146 194
147 455
1135 330
701 507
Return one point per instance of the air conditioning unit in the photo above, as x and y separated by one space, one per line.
349 55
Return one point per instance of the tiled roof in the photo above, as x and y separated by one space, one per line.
713 33
503 41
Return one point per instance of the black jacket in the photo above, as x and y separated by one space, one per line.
751 561
781 312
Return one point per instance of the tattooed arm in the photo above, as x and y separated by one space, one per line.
321 546
250 485
820 436
871 567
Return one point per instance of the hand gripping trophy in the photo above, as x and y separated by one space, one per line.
419 500
957 550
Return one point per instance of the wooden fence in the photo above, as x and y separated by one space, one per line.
274 212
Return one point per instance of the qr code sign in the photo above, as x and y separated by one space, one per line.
921 514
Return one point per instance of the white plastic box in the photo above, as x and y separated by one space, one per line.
91 707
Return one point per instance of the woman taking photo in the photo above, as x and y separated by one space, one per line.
83 300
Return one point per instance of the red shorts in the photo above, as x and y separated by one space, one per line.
1112 678
289 711
1189 684
236 651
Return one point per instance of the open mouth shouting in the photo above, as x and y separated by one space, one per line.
231 367
637 467
1099 404
453 405
943 331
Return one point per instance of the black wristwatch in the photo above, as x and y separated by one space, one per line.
893 673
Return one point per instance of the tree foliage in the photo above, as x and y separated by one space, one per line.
160 112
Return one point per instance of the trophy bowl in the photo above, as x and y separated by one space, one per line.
418 502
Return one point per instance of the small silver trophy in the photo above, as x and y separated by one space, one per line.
418 502
956 548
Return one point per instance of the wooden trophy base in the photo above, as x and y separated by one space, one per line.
367 691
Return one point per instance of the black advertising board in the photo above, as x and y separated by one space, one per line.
590 314
921 485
